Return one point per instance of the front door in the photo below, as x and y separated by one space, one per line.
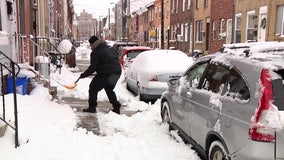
262 24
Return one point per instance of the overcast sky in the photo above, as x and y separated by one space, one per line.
95 7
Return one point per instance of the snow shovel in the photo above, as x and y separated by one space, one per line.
72 87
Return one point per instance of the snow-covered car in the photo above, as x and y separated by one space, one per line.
230 106
118 45
148 74
128 54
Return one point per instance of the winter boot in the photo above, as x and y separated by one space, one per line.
90 109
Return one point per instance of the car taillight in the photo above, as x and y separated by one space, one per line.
154 78
259 130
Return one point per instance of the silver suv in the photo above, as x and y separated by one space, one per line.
230 106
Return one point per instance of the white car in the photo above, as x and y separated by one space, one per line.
149 73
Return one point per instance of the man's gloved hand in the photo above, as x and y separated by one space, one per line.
81 76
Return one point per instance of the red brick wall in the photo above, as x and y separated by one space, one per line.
25 30
220 9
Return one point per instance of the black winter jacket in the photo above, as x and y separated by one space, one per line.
103 60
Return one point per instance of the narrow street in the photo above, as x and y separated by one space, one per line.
89 121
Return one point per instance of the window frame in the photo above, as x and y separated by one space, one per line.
250 25
199 26
229 31
214 31
222 28
238 29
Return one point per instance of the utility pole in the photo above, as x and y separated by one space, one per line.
162 25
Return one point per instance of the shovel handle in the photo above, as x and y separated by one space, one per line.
77 80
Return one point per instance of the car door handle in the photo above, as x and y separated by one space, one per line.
188 94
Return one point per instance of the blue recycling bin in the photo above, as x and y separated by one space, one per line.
21 85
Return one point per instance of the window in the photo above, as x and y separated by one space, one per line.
197 4
193 75
173 6
222 26
182 32
229 31
238 35
225 81
205 3
216 79
186 32
199 31
237 86
156 13
250 25
191 36
177 6
183 5
214 30
146 36
172 33
280 21
188 4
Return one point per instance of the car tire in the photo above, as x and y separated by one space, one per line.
140 96
127 87
217 151
166 114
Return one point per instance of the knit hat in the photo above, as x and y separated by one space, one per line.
93 39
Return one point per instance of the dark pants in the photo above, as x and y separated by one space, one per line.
106 82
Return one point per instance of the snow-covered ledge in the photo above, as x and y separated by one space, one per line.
4 38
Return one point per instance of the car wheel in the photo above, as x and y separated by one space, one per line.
217 151
140 96
127 87
166 114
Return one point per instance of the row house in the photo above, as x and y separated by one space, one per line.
8 28
26 25
259 20
121 20
221 30
205 25
181 25
146 31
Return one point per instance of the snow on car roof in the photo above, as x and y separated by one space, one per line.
137 48
162 61
270 55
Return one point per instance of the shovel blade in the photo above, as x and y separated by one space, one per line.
71 87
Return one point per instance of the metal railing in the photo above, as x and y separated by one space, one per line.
9 65
49 50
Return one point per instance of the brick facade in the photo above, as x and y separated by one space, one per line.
220 15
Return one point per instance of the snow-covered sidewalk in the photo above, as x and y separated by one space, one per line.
47 129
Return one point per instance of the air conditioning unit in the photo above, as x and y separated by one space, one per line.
179 37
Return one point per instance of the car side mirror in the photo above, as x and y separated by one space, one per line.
173 82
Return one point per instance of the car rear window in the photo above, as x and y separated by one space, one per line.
133 54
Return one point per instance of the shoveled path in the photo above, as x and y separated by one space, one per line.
89 121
